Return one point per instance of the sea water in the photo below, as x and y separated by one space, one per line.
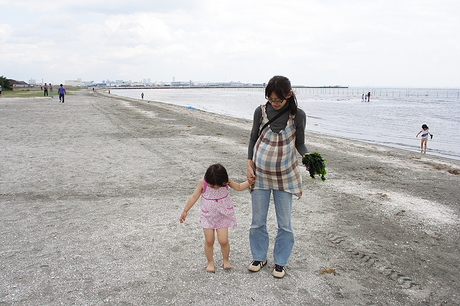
393 116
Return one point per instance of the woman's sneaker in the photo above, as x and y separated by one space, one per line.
279 271
256 265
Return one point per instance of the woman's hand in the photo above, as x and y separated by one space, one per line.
250 172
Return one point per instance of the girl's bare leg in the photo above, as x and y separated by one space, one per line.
209 248
424 143
222 236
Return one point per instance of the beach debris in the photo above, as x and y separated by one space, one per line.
315 164
328 271
443 167
382 195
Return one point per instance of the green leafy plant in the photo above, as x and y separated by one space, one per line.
315 165
5 83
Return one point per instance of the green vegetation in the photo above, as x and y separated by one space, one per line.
5 83
27 92
315 165
32 92
23 93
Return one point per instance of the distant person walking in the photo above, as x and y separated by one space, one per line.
1 90
369 96
362 98
142 96
62 92
51 91
45 90
217 211
425 132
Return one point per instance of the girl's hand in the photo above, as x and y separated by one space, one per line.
192 200
183 217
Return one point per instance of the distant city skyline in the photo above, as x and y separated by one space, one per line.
148 83
108 82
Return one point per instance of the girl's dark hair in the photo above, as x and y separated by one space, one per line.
281 86
216 175
424 126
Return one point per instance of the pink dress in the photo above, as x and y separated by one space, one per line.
217 210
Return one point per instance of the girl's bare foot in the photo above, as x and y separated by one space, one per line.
227 265
210 268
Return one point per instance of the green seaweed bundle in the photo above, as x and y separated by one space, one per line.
315 165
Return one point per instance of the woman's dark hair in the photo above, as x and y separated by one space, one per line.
281 86
424 126
216 175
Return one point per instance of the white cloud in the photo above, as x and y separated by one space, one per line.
5 31
379 43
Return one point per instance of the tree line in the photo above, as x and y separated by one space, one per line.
6 83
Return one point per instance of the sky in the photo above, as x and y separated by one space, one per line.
377 43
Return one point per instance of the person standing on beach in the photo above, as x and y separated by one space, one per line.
62 92
45 90
425 131
278 132
142 96
217 211
51 91
369 96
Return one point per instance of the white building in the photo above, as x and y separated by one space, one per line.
76 83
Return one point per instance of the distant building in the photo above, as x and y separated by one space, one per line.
76 83
180 83
19 84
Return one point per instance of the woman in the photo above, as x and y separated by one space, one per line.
273 163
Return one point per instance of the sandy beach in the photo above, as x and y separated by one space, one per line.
91 191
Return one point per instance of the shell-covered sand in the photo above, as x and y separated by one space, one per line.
91 191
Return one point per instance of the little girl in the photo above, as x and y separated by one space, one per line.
217 211
425 132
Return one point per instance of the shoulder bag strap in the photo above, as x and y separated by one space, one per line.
273 119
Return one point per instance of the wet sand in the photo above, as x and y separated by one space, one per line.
91 192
